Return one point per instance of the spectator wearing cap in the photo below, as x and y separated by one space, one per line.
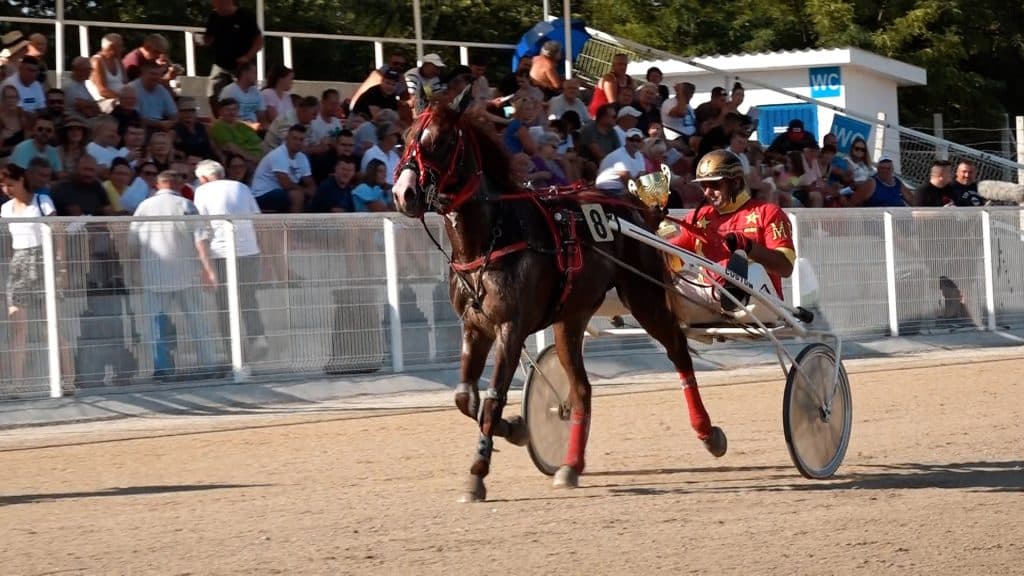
424 82
544 69
379 97
793 139
154 102
569 99
190 135
283 180
677 116
31 98
517 137
231 136
277 93
13 47
73 136
396 62
385 150
623 163
883 189
627 117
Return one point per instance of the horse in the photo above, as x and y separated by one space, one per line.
512 274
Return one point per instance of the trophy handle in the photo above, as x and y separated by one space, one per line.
631 183
668 174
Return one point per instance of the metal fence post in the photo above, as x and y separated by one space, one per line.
286 51
890 275
990 292
50 302
795 278
58 39
83 41
234 306
190 53
394 304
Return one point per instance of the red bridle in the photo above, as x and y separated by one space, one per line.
426 169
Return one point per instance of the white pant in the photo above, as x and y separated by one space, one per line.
702 305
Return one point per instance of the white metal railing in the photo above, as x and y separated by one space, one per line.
346 293
189 34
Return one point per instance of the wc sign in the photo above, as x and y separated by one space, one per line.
825 82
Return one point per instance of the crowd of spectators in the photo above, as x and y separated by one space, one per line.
118 134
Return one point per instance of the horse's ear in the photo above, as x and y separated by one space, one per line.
464 99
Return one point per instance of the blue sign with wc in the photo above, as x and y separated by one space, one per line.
847 129
826 82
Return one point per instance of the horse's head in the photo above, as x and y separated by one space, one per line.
441 167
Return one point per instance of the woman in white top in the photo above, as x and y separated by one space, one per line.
108 75
278 92
25 288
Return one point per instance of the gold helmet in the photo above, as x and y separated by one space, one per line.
718 164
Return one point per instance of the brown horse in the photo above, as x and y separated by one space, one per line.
507 279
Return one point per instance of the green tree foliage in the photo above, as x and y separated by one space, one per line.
971 49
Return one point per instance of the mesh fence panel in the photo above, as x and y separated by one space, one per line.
24 368
1008 266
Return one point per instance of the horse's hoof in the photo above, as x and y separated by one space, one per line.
475 490
566 477
518 433
716 443
467 402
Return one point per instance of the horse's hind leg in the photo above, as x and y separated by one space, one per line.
506 357
650 306
569 336
475 346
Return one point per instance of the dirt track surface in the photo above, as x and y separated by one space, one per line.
932 484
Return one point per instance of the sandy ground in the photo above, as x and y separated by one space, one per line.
932 484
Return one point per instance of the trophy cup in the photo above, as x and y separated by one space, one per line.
653 189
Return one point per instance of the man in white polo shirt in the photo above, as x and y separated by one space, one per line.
217 195
283 180
623 163
31 98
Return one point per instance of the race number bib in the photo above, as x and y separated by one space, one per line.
597 222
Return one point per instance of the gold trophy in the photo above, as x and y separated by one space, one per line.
653 189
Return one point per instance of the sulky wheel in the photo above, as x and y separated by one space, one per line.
546 411
817 413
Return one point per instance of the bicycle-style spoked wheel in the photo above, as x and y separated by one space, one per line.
546 411
817 413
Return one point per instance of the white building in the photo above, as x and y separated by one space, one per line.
861 82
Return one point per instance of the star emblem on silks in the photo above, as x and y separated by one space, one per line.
703 223
752 218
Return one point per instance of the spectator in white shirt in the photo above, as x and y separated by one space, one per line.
568 100
277 96
104 144
217 196
327 125
252 110
283 180
30 91
626 119
388 136
424 82
155 105
677 116
622 164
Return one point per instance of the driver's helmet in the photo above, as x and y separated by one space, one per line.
719 164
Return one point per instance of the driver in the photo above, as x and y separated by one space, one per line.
748 237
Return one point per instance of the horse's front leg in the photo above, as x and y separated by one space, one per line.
569 345
506 357
475 347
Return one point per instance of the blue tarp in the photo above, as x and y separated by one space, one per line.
531 42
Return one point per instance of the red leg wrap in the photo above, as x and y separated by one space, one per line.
578 432
699 419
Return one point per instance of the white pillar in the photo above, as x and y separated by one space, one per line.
234 303
286 51
378 54
990 291
942 152
880 141
890 275
190 53
567 48
394 302
1020 148
417 20
83 41
58 34
260 21
50 303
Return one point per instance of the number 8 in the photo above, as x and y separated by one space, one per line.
596 217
